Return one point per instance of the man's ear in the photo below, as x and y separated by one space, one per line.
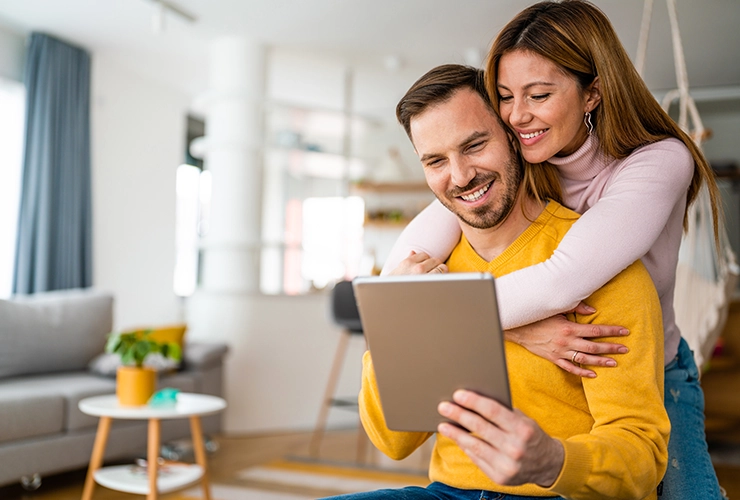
593 98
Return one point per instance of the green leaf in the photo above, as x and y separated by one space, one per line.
114 340
127 358
174 351
133 347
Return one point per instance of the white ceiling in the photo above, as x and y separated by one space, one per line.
422 33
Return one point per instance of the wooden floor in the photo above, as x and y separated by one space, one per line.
238 453
234 454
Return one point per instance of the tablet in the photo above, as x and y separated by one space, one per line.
428 336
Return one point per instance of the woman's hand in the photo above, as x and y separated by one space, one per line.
419 263
569 344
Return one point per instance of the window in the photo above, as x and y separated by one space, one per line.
323 243
312 229
192 201
12 109
193 189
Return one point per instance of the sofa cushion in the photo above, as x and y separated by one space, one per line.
53 331
28 414
71 387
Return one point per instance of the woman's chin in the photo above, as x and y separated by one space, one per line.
535 156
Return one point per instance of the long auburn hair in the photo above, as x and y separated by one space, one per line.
579 38
438 85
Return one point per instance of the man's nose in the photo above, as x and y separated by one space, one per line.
462 171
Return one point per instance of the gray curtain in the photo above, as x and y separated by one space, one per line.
54 246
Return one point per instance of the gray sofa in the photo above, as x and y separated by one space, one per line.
47 344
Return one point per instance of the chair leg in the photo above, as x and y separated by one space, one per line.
331 386
362 440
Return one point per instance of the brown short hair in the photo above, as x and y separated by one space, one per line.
437 86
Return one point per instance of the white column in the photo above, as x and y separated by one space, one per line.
231 152
223 307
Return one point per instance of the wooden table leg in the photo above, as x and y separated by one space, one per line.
96 460
152 457
200 454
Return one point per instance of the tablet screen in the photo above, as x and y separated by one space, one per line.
428 336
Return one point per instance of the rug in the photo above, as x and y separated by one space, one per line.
230 492
297 479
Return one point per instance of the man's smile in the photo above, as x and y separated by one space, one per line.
477 194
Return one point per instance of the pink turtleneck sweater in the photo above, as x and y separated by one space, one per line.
631 209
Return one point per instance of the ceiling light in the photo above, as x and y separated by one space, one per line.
162 8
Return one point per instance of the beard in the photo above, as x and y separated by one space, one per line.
497 210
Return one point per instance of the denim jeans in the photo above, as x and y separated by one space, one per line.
690 471
435 491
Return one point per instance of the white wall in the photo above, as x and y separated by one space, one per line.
138 135
279 360
723 119
12 54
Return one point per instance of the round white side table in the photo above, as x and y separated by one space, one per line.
178 475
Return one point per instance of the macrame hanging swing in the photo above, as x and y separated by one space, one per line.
707 274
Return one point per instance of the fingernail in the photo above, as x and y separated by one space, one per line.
624 331
611 362
590 309
444 408
591 375
623 350
459 395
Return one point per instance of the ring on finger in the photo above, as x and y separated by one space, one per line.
573 359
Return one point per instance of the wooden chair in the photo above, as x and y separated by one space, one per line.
344 313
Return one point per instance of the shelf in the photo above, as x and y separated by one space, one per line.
390 187
318 164
726 170
171 477
387 224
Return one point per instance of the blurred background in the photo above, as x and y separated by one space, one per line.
245 157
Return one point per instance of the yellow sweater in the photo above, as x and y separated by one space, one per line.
614 428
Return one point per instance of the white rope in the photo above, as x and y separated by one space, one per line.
647 13
681 77
705 276
687 106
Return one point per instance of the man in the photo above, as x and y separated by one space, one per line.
602 437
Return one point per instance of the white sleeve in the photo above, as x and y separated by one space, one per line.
617 230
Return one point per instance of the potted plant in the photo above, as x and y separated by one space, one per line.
135 383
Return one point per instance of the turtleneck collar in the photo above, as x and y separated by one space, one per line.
584 164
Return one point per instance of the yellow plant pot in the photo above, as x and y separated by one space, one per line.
134 386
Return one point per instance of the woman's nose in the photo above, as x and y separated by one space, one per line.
519 114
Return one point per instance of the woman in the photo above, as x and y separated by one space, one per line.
564 85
